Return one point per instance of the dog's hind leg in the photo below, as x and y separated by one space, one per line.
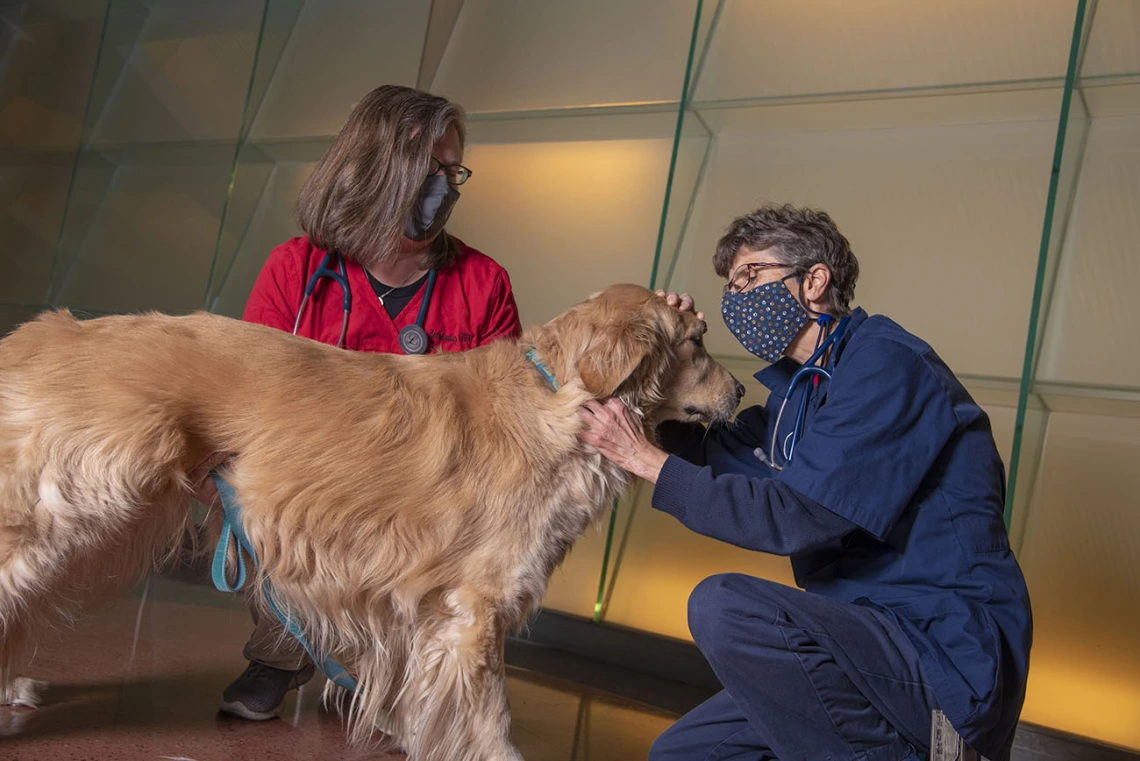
16 690
63 547
15 618
29 569
22 613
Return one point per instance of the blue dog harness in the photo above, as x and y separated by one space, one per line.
232 528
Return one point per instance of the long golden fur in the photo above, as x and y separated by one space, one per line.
408 511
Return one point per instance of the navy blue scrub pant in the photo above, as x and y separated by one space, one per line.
806 678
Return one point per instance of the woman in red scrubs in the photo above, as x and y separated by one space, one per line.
373 213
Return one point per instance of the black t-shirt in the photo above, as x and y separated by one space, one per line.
395 299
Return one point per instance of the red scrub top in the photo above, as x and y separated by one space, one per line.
471 305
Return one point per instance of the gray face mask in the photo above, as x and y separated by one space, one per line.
433 206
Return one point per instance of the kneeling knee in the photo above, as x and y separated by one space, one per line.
708 603
723 601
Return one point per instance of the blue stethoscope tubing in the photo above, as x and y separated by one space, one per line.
807 370
340 274
413 338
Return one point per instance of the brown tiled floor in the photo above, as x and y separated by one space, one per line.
141 680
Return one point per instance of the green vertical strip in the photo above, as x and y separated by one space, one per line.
1027 370
237 152
682 105
605 564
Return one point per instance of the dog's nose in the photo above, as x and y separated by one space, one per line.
739 390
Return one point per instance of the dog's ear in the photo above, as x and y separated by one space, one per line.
621 332
611 357
640 344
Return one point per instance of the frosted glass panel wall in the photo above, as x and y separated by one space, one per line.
1080 559
47 51
165 112
47 56
1080 525
172 75
1091 321
337 52
570 142
516 55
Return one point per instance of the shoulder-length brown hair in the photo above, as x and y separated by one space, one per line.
362 190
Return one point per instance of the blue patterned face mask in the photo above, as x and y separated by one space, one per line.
766 319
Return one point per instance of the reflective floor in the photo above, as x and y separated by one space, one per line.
142 679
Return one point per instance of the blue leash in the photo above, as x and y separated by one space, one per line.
232 528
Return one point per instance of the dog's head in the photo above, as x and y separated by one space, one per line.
627 342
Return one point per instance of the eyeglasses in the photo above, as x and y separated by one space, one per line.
457 174
746 275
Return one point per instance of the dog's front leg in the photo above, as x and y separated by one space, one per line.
456 679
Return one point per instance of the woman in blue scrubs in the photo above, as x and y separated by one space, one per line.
888 500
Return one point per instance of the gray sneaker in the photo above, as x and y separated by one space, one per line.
258 693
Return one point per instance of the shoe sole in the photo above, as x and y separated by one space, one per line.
242 711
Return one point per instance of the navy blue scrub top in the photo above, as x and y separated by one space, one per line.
893 500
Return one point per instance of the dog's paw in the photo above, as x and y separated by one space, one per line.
23 692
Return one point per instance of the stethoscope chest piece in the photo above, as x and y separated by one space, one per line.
413 339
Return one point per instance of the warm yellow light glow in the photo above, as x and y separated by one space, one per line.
565 219
1089 697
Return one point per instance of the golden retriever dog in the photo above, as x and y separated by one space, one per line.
407 511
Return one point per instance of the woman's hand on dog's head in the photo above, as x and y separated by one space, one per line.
618 434
683 302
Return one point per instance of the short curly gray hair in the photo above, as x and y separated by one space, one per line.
799 237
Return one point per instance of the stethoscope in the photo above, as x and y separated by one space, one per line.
807 370
413 338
